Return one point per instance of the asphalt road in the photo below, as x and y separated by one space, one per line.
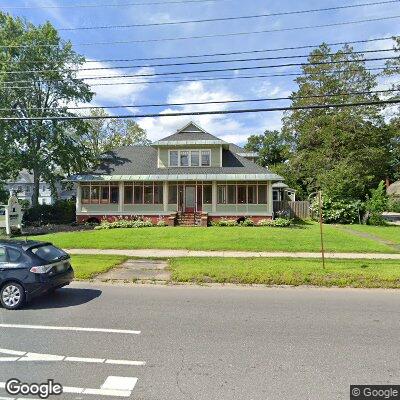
210 342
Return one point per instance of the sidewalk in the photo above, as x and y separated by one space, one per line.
169 253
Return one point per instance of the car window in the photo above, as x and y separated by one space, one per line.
13 255
2 254
48 252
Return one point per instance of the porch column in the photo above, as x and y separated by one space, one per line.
121 197
165 196
78 197
214 196
270 198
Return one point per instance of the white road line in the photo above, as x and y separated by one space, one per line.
24 356
119 383
108 392
70 328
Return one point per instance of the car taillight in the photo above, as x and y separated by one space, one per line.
42 269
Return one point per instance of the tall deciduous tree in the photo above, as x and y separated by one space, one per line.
38 72
105 134
344 151
271 146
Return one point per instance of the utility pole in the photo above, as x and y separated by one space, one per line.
320 228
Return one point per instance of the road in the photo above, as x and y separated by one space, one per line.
206 342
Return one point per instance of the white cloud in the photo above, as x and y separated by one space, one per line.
120 92
230 128
268 89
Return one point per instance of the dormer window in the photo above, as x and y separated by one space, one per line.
189 158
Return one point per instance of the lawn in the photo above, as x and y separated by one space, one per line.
281 271
304 237
390 232
87 266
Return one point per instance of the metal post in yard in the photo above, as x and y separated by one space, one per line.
320 228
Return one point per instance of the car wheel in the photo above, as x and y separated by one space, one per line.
12 296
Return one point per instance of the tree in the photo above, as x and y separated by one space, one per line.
271 147
106 134
39 74
393 69
345 151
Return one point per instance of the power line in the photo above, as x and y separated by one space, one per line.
192 62
111 5
201 79
243 17
174 73
197 113
207 102
296 28
310 46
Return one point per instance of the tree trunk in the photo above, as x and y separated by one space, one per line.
36 181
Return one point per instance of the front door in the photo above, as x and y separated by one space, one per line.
190 198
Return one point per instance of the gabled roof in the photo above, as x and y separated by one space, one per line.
189 134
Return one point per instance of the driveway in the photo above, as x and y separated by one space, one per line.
180 342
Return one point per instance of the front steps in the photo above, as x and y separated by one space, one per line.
189 219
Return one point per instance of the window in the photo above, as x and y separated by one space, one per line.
114 194
263 194
94 194
158 193
205 158
85 194
207 194
138 193
194 158
148 194
48 252
2 255
189 158
128 194
173 158
13 255
241 194
221 191
105 195
252 194
172 194
231 194
184 158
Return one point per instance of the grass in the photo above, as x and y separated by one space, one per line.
283 271
303 237
390 232
87 266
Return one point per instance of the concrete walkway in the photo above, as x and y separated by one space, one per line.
169 253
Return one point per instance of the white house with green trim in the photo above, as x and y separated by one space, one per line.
190 177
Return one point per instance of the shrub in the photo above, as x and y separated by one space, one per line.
61 212
225 222
377 204
338 211
393 205
161 223
278 222
247 222
124 223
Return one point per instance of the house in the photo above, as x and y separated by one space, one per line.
22 186
190 177
282 192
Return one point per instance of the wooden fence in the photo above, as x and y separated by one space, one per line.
297 209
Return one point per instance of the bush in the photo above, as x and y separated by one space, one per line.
393 205
278 222
124 223
161 223
247 222
61 212
338 211
377 204
225 222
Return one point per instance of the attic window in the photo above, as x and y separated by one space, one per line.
189 158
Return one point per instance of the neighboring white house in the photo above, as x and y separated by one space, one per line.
23 188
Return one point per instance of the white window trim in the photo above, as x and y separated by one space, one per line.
190 158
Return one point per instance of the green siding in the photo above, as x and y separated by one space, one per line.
163 158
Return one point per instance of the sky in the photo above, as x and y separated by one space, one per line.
232 128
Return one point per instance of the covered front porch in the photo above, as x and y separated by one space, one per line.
214 199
